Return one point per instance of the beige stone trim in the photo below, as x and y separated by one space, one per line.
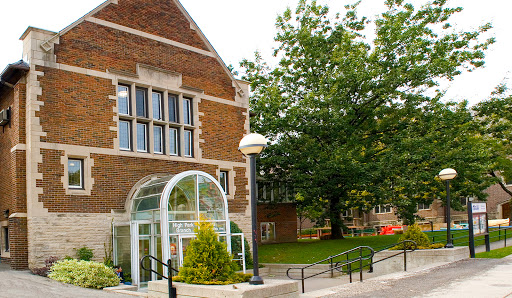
4 223
19 147
231 178
20 215
106 151
149 36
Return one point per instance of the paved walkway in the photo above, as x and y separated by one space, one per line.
25 284
467 278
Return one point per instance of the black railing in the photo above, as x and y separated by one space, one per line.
335 265
345 265
170 270
461 237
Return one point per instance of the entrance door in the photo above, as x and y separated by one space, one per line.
184 241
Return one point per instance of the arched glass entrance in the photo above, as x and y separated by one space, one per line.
164 213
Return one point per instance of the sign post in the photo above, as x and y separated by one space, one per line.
478 225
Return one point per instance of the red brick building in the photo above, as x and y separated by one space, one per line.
100 108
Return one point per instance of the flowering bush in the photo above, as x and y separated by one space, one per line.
87 274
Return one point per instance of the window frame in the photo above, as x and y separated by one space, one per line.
383 209
174 150
162 143
267 225
145 150
128 101
81 170
129 134
159 105
144 101
6 239
190 142
187 111
421 206
175 117
224 182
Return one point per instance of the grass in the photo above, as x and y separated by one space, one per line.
496 253
308 251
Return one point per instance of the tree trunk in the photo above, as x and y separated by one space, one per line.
334 215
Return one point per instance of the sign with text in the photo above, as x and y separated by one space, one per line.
478 208
181 227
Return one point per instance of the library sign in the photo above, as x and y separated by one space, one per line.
478 225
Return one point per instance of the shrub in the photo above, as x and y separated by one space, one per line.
236 243
87 274
415 234
84 253
43 271
207 260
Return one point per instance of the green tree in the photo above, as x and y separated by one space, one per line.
335 102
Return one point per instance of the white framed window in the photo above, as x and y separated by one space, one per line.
346 213
464 201
381 209
141 103
157 105
187 111
123 99
125 135
144 118
268 231
76 173
173 110
224 181
142 144
188 142
173 140
6 238
423 206
158 142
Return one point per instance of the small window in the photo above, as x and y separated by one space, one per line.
173 115
157 106
123 100
423 206
188 143
187 111
268 231
141 103
142 137
124 135
173 140
6 239
158 142
75 173
379 209
346 213
223 180
464 201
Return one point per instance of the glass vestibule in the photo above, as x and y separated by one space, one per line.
179 201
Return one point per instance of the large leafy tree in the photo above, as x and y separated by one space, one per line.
342 109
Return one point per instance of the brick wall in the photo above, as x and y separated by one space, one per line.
285 217
221 130
18 242
100 48
77 109
158 17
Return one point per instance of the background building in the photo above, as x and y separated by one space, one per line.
129 93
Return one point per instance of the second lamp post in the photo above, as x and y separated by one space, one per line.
447 175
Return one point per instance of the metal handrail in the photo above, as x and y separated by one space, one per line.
170 269
333 267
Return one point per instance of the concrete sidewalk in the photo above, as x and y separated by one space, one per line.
467 278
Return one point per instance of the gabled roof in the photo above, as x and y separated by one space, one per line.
187 16
12 74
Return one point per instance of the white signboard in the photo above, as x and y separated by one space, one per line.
478 208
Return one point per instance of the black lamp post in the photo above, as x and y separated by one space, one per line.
447 175
251 145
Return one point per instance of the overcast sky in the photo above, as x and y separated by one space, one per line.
237 28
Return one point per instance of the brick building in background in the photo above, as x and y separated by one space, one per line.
130 92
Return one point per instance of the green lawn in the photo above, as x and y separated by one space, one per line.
308 251
496 253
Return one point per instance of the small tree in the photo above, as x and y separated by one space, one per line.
207 260
415 234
